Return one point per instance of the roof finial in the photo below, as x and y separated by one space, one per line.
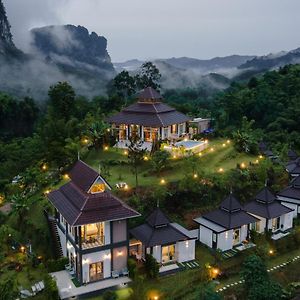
157 204
99 169
231 190
266 182
78 155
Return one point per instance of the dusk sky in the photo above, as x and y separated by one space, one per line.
146 29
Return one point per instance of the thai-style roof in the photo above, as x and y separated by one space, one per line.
292 154
293 167
148 113
292 191
229 215
265 205
158 231
79 207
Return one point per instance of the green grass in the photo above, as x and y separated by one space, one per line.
210 162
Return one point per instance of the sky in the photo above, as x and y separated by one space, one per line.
148 29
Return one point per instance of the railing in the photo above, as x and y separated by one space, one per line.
91 242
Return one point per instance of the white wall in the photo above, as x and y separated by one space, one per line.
262 225
156 253
186 250
63 242
225 240
292 206
205 236
87 259
287 221
107 233
244 232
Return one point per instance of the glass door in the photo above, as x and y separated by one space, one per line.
236 236
168 253
96 271
275 224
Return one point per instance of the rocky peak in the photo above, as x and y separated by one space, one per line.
71 44
5 34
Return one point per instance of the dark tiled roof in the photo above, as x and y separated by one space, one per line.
83 176
151 236
264 205
157 218
292 191
148 119
149 94
292 155
154 114
79 207
293 167
230 214
158 230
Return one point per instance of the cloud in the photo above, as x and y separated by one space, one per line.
159 29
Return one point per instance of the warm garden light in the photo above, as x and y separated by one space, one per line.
200 154
126 187
228 141
22 249
260 157
206 141
44 167
271 252
47 192
243 165
256 161
85 141
212 149
105 148
125 152
146 158
221 170
66 177
162 181
216 271
195 175
224 145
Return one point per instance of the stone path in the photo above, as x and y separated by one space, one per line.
269 270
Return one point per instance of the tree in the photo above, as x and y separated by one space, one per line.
258 285
7 288
148 76
20 206
62 100
152 267
207 292
97 132
124 84
135 156
160 161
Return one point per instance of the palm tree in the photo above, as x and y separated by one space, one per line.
20 206
97 132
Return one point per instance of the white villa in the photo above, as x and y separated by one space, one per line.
167 242
226 227
290 196
271 214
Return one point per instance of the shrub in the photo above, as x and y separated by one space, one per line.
57 265
152 267
51 290
132 268
109 295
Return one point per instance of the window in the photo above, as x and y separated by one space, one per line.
181 129
93 234
96 271
214 237
166 132
275 224
97 187
168 253
236 236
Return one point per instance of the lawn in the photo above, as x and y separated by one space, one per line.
219 154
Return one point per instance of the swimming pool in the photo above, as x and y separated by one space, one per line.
186 146
190 144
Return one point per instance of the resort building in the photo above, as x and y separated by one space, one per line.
91 225
150 119
226 227
290 196
271 214
167 242
199 125
293 167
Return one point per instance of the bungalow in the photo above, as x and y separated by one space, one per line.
226 227
91 225
272 216
293 167
292 155
167 242
290 196
150 119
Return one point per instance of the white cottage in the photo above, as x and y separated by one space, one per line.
225 227
272 216
167 242
290 196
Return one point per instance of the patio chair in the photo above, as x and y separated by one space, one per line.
34 290
125 272
37 286
115 274
42 284
68 267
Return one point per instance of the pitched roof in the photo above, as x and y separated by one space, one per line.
293 190
293 167
149 94
158 231
264 205
292 155
157 218
152 114
83 176
79 207
229 214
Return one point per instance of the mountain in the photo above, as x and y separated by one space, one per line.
272 61
58 53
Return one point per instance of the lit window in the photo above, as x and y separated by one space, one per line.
98 188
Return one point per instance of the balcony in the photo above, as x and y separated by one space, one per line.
92 242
